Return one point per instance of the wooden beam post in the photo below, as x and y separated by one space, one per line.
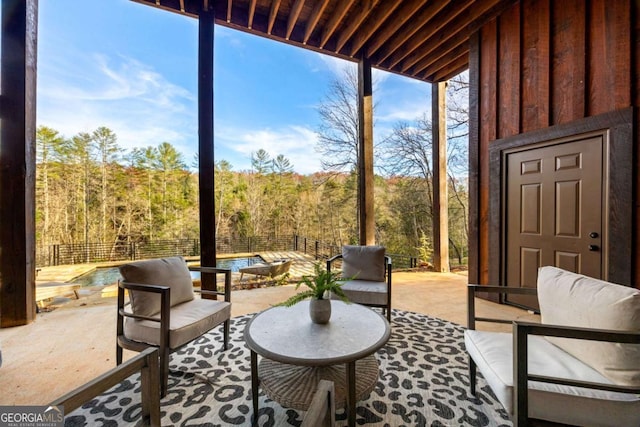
365 153
206 161
440 193
18 162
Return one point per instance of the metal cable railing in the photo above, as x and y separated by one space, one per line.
84 253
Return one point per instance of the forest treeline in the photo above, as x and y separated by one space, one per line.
89 190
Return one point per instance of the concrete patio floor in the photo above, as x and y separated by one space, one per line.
74 343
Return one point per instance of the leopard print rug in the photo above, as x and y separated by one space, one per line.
423 382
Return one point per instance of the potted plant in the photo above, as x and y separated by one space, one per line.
321 285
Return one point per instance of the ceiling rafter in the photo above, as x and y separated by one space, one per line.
317 12
401 17
365 9
273 14
440 63
293 17
425 16
451 45
375 21
252 11
453 69
338 14
421 37
477 10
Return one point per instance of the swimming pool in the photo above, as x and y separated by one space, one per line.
110 275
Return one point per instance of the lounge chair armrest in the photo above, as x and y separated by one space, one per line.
158 289
165 307
521 377
606 335
210 269
146 363
472 290
227 281
332 259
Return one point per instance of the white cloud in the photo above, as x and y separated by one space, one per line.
79 93
297 143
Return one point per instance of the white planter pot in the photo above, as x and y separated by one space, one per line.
320 310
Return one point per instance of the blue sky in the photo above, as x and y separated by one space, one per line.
133 69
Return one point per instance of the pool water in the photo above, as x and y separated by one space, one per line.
110 275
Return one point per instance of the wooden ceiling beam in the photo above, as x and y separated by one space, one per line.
339 11
252 11
229 7
437 64
425 16
293 17
375 21
434 29
452 70
273 14
451 45
316 13
461 22
409 8
182 6
363 12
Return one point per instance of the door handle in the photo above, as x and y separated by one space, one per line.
593 235
594 248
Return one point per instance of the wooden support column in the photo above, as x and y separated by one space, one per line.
440 193
365 153
205 141
18 161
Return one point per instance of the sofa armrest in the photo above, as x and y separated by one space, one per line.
521 377
215 271
472 290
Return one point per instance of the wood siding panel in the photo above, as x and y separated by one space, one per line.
474 158
568 73
609 56
509 72
536 16
577 59
635 90
488 121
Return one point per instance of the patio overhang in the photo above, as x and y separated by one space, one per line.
426 40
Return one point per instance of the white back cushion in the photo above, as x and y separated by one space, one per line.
363 262
172 272
571 299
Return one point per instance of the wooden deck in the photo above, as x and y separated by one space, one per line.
50 290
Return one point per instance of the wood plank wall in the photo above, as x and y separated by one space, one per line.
543 63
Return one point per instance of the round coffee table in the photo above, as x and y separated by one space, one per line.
286 336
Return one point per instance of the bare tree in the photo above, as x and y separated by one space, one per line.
338 131
409 154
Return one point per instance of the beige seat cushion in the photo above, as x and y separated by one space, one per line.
365 292
571 299
172 272
189 320
492 352
363 262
